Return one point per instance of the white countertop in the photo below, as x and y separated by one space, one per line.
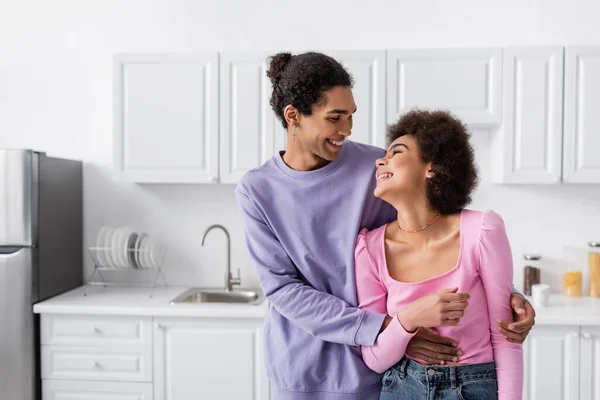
129 300
563 310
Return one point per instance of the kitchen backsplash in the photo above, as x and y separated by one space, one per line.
540 219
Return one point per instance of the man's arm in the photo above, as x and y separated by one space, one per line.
321 314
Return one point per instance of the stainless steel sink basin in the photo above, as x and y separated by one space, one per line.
215 295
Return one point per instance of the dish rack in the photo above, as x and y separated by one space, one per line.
127 259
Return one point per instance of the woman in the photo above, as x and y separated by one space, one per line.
302 211
412 268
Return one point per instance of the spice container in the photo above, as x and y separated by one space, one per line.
531 272
572 283
594 266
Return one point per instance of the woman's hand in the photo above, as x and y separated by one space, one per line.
443 308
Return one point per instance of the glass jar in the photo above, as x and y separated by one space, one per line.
594 266
531 272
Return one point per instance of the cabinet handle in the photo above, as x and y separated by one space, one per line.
98 330
575 334
587 336
212 179
97 365
160 326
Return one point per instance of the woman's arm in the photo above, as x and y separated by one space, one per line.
496 272
320 314
372 296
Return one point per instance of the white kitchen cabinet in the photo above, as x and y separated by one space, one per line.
466 82
527 148
582 119
552 363
53 389
550 123
250 133
589 366
368 70
209 359
96 357
166 117
562 363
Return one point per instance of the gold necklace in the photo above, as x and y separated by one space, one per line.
421 228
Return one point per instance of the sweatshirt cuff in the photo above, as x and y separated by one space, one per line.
369 328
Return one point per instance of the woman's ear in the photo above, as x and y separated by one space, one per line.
430 172
291 115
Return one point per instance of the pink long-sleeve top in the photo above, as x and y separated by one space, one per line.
484 270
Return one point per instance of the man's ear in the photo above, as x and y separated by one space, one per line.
291 115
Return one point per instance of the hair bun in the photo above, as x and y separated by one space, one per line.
278 63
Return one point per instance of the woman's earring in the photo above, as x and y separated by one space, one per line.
294 133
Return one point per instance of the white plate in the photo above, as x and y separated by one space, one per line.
116 248
100 254
110 232
131 249
124 253
138 248
145 253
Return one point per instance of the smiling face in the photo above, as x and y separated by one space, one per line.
401 172
322 134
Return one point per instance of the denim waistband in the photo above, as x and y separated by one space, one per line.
454 375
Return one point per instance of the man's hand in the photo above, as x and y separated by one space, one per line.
433 348
516 331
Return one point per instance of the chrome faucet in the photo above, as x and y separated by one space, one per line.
229 279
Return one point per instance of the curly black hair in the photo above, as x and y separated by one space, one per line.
301 79
444 141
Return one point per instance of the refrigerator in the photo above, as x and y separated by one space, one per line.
40 256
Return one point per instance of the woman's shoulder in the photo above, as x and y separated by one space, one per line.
482 220
370 240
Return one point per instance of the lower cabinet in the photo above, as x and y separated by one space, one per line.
209 359
562 363
143 358
57 389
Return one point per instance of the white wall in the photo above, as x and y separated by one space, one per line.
56 96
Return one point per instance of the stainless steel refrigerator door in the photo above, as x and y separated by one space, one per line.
18 197
17 353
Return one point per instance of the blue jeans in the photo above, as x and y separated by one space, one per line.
411 380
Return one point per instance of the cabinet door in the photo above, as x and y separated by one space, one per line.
466 82
552 363
250 133
166 110
590 363
582 119
528 146
209 359
368 70
55 389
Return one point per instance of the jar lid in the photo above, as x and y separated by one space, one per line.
532 257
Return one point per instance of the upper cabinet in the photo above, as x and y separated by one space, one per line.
547 135
206 118
166 117
466 82
581 115
368 70
250 133
528 146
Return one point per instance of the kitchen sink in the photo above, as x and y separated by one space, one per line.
217 295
